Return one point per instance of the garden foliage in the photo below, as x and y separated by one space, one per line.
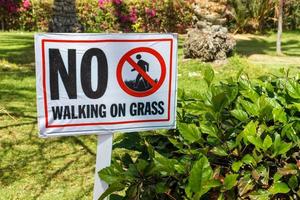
262 15
238 141
25 15
102 15
149 16
136 16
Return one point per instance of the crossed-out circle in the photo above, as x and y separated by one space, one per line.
155 85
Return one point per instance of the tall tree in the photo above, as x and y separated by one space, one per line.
64 19
279 30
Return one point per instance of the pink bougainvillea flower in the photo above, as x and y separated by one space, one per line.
150 12
153 12
133 15
101 3
133 18
147 10
26 4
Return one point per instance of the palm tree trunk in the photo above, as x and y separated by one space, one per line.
279 31
64 19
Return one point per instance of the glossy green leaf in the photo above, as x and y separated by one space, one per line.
277 177
236 166
219 151
111 175
190 132
249 130
256 141
208 74
250 93
250 108
277 142
279 115
164 165
284 148
230 181
239 114
265 105
293 182
112 188
209 129
279 187
249 160
267 143
200 175
219 101
281 147
293 89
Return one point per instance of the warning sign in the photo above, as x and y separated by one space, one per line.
95 83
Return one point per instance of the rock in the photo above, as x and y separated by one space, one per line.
209 43
208 40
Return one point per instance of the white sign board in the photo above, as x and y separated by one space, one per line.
98 83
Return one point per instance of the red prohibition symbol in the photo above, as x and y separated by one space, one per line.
155 85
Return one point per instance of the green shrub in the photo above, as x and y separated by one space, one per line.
95 19
238 141
292 14
36 17
25 15
253 16
9 13
261 15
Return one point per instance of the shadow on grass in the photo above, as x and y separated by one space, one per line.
245 47
49 162
17 94
32 162
17 49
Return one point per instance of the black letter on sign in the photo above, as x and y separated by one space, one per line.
68 78
86 79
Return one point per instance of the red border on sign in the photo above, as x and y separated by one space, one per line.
126 58
47 125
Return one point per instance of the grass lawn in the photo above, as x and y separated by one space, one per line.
63 168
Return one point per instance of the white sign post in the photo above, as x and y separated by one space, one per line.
104 148
105 83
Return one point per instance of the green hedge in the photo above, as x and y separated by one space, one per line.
238 141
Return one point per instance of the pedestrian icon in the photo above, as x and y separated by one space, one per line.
140 83
148 77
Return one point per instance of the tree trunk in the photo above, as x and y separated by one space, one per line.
279 31
64 19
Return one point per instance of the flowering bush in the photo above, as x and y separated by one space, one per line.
24 15
8 11
103 15
150 16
